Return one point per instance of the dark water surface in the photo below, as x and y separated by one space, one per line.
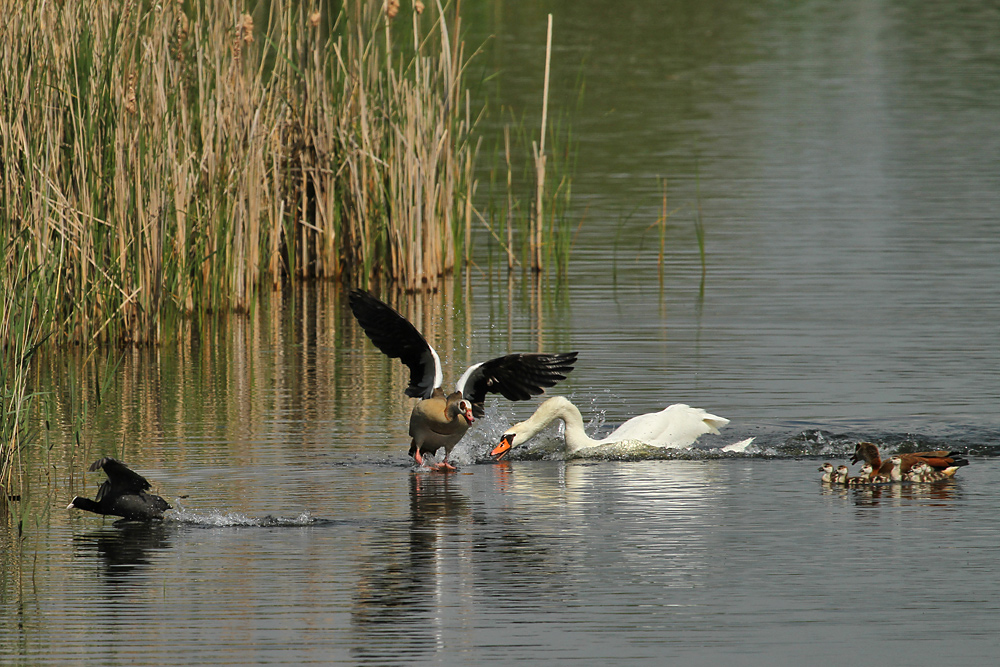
844 159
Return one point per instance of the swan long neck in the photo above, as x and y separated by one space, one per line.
555 408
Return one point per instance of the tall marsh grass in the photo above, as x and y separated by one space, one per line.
22 326
184 156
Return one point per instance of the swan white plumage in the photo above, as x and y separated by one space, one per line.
675 427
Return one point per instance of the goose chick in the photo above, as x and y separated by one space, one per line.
863 477
840 477
827 470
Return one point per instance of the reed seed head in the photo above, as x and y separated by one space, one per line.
183 26
245 28
130 104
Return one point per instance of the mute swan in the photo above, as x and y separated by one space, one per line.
440 420
941 459
124 494
675 427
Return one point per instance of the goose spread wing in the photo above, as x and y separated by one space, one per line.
120 477
398 339
517 377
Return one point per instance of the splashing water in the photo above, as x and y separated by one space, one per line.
219 518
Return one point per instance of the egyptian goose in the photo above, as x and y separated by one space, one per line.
828 473
938 460
674 427
123 494
439 419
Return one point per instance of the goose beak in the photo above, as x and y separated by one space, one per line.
469 416
501 450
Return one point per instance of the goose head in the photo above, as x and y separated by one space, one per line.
865 451
465 409
457 406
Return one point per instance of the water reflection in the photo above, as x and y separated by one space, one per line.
397 603
938 493
126 548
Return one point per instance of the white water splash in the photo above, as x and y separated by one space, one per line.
739 447
225 519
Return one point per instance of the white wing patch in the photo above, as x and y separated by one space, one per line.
438 375
460 385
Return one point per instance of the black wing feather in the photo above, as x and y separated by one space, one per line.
120 477
517 377
397 339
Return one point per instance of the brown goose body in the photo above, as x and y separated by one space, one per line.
436 422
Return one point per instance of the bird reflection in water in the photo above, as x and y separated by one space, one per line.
126 548
925 494
398 603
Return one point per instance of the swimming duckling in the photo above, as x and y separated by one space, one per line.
840 477
896 471
827 470
923 473
863 478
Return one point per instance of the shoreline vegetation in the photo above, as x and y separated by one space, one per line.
161 157
179 158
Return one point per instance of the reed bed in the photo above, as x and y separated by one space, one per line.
173 156
22 291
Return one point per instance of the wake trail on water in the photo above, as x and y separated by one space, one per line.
221 518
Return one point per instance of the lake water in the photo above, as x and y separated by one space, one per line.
687 562
844 159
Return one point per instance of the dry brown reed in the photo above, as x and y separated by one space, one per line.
188 155
540 160
21 324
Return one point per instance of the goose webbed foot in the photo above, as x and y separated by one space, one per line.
444 466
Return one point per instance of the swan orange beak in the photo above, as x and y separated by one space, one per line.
503 448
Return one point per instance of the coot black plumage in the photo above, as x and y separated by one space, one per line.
124 494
